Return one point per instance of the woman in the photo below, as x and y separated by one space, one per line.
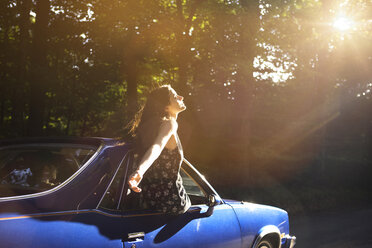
160 153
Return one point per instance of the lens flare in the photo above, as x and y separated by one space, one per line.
343 24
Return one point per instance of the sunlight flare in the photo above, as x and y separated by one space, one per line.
343 24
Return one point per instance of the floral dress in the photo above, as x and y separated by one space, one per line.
162 188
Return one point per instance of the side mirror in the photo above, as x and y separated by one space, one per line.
213 201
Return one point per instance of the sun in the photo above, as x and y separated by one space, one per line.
343 24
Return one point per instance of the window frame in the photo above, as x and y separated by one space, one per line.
189 169
200 179
63 184
128 157
197 184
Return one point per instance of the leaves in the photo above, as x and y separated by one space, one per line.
104 56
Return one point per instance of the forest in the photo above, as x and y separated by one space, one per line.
278 93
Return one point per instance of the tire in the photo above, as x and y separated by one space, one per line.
265 244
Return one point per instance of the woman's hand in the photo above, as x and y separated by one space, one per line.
134 180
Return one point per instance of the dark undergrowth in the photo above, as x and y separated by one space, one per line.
301 200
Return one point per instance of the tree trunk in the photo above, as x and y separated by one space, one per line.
183 49
249 28
39 68
83 127
322 75
131 60
132 84
1 113
5 84
69 118
18 91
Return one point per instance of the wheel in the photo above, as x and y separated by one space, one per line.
265 244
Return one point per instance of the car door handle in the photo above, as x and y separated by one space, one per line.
135 237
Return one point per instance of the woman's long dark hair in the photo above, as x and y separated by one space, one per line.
145 126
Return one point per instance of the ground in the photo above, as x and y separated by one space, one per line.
341 229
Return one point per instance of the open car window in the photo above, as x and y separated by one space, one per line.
193 189
117 189
28 169
134 201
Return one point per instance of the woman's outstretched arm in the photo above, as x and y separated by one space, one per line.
166 130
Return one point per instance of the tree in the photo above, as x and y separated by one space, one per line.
39 67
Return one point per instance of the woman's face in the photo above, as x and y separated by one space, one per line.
176 103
